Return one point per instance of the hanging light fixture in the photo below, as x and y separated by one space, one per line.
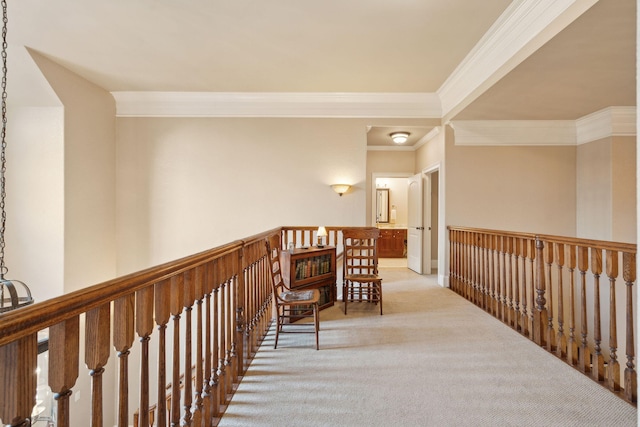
13 293
399 137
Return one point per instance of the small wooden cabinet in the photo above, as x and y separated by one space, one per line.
392 243
311 268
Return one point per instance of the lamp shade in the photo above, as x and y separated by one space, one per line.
340 188
322 232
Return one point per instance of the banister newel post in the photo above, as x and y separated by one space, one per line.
540 313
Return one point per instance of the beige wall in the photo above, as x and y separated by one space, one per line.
531 189
89 176
185 185
623 187
34 234
606 189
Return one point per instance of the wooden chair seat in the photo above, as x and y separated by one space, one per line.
291 305
361 282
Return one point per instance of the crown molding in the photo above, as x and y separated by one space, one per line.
611 121
523 27
286 104
428 137
605 123
514 132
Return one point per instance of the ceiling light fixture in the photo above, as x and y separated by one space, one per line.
400 137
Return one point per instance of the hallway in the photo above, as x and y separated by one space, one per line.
432 359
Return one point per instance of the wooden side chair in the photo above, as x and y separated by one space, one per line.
361 282
291 305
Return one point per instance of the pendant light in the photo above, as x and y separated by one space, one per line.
13 293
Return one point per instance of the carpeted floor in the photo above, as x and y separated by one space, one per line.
432 359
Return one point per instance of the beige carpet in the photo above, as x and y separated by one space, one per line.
433 359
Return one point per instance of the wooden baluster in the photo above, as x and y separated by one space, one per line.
237 348
215 379
162 296
524 299
531 285
491 278
539 326
598 359
469 269
550 334
504 310
572 345
189 293
64 360
516 275
177 301
123 335
229 327
97 355
613 367
18 380
584 356
509 281
452 260
144 328
476 265
485 273
207 380
561 339
222 378
630 376
197 407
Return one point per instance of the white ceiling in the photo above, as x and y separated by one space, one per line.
333 46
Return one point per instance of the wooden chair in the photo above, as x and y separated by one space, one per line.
291 305
361 282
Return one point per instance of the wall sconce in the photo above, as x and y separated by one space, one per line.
322 232
340 188
400 137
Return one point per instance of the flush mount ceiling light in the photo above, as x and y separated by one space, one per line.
399 137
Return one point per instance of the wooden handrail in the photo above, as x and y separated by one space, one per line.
548 288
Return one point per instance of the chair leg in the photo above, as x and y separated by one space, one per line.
345 297
380 297
275 345
317 324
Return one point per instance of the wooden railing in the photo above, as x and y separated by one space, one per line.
214 306
548 288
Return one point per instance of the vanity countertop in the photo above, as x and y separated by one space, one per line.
391 226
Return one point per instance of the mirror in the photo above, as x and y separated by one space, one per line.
382 205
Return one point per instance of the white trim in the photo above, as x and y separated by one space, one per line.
515 132
522 28
608 122
428 137
612 121
286 104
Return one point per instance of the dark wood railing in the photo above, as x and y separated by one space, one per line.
214 306
549 289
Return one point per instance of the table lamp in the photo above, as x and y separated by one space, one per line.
322 232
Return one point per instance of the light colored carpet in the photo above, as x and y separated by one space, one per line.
432 359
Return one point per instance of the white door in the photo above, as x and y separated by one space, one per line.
414 226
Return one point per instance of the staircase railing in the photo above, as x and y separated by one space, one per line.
204 314
549 289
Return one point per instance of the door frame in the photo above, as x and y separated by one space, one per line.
442 231
375 175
